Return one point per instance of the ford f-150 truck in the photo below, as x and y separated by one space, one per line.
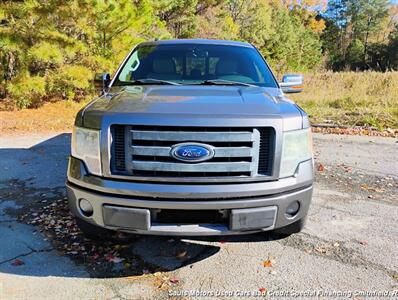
192 137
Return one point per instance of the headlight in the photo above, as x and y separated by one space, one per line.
86 146
296 148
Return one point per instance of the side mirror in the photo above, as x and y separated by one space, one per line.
292 83
101 81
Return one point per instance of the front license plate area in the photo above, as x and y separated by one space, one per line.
126 217
252 218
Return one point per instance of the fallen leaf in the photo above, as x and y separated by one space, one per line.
109 257
181 254
262 290
116 260
267 263
321 168
320 250
17 262
174 280
95 256
364 186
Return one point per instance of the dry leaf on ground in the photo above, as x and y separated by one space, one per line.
181 254
174 280
267 263
17 262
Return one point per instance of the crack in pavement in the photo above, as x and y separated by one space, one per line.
26 254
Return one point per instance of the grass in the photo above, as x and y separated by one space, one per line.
346 98
352 99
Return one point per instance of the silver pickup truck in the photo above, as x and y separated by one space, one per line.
192 137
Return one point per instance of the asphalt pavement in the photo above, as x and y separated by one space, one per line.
349 247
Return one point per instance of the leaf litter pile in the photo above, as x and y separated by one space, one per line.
357 130
111 256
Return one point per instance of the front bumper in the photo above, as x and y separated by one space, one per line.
131 201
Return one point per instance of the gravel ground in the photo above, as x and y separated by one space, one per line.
349 245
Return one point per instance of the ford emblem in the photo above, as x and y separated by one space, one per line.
192 152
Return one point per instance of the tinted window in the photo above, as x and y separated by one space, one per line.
190 64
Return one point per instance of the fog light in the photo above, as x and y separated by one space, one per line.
86 207
292 209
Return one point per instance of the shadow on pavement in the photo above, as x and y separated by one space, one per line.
50 244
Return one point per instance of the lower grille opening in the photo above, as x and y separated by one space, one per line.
191 216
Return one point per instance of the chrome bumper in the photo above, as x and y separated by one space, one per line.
147 196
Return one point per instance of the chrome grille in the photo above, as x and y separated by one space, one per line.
147 151
118 149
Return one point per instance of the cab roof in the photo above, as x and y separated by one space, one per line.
197 41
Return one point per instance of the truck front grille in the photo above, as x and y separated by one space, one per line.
144 151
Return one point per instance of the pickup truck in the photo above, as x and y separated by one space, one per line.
191 138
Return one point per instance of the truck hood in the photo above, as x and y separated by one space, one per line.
194 102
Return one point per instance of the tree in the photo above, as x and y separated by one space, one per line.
393 49
291 46
177 15
253 18
50 49
351 23
71 40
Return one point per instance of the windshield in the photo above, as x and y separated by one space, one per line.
196 64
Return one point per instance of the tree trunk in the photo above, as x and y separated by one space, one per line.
365 51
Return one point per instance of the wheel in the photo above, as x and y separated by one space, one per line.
290 229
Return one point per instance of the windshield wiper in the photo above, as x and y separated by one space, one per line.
225 82
147 81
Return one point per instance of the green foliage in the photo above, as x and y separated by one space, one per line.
27 90
355 35
392 49
70 82
253 19
355 51
45 52
178 15
291 46
51 48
